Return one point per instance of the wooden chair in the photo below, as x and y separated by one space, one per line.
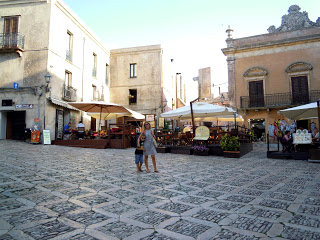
81 132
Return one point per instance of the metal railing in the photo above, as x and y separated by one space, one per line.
13 41
278 100
69 93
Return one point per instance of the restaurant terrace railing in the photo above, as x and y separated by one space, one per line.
278 100
11 41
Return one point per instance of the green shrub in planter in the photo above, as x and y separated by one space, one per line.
228 143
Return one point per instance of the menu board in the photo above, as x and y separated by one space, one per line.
202 133
302 137
46 137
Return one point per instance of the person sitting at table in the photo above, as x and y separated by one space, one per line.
287 141
81 129
316 135
66 131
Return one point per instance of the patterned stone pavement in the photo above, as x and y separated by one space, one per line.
55 192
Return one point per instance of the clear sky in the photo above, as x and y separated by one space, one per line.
190 32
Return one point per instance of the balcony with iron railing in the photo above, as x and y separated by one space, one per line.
69 93
278 100
11 42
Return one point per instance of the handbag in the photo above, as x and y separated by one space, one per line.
155 143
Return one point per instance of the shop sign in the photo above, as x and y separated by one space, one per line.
24 106
161 122
149 118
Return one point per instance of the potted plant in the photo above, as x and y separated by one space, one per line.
200 150
230 146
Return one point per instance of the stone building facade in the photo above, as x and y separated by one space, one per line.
137 79
274 71
40 37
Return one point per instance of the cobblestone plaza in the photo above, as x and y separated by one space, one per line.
55 192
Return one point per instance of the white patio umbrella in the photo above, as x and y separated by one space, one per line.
226 118
107 116
301 112
99 107
200 110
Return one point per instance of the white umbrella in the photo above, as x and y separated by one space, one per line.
301 112
200 110
99 107
226 118
107 116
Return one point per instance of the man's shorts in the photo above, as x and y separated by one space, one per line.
139 158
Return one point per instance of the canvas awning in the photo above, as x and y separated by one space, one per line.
62 104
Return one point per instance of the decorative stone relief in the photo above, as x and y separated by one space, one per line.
294 20
299 67
255 72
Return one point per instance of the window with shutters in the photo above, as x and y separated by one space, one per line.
69 45
132 96
133 70
256 93
94 69
300 90
10 31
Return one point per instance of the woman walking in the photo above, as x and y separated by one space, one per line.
149 148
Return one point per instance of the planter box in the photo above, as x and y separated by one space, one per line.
162 150
314 154
231 154
300 155
201 153
181 150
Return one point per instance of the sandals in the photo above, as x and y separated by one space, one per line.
156 171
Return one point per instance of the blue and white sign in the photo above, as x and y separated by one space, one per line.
16 85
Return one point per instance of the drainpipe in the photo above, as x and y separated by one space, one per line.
84 41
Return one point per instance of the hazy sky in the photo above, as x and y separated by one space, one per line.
190 32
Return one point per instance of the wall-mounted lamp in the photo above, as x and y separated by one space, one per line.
48 78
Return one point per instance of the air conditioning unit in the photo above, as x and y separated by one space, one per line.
67 93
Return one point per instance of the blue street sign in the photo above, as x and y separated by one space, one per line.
16 85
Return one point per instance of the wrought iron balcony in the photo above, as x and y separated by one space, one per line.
278 100
69 93
11 42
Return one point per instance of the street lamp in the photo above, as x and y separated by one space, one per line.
47 77
222 98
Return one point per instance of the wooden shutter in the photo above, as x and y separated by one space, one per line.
300 91
11 25
256 94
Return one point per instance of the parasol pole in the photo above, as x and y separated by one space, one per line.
192 117
318 105
100 119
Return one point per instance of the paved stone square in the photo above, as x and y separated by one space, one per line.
56 192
